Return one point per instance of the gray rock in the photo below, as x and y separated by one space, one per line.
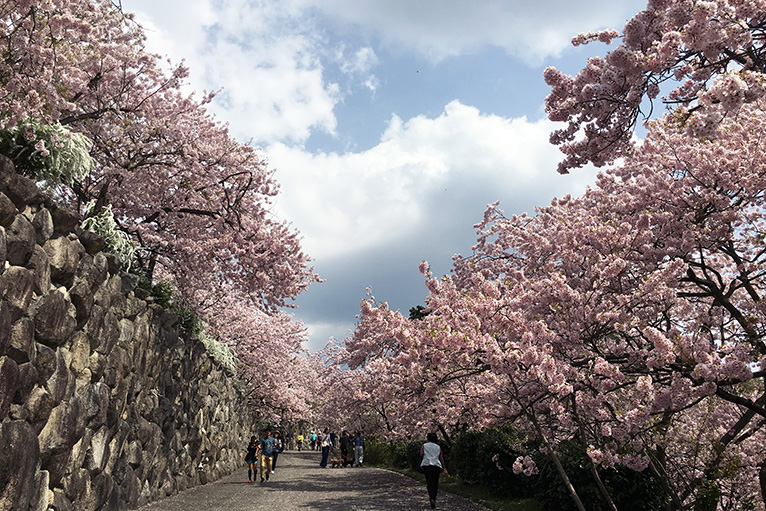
109 333
80 351
22 345
63 429
22 191
64 255
94 399
82 299
43 224
94 270
18 283
8 211
98 452
39 405
20 241
60 501
101 488
3 248
5 325
64 220
28 378
54 317
9 382
40 267
76 485
58 383
42 497
92 242
19 457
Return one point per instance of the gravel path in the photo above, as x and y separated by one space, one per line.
300 484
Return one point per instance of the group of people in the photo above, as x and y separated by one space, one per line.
263 453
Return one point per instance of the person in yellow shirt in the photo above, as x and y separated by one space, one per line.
300 441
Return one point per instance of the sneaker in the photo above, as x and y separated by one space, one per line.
273 470
249 480
433 504
261 479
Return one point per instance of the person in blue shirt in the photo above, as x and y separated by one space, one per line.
267 451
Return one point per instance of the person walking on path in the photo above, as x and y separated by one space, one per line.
267 451
345 442
358 449
279 447
313 441
433 465
251 458
325 448
299 439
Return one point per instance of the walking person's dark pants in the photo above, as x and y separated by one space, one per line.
274 460
325 455
432 473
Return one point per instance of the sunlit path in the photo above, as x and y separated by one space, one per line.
300 484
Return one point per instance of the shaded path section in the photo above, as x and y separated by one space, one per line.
299 484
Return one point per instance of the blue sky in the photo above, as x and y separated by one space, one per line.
391 123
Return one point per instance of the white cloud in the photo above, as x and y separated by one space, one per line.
416 178
530 31
264 55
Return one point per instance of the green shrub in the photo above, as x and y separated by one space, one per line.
47 152
630 490
378 452
487 457
116 241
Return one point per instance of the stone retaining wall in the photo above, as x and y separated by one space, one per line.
104 404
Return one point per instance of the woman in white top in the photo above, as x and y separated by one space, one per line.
433 465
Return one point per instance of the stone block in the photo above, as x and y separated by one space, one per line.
40 267
19 285
28 378
61 432
9 383
82 298
98 452
22 344
19 457
8 211
60 501
58 384
91 241
79 351
6 323
94 270
64 220
64 254
42 497
43 224
39 405
3 248
22 191
20 241
54 317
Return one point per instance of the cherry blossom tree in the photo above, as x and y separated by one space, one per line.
631 318
708 56
195 202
